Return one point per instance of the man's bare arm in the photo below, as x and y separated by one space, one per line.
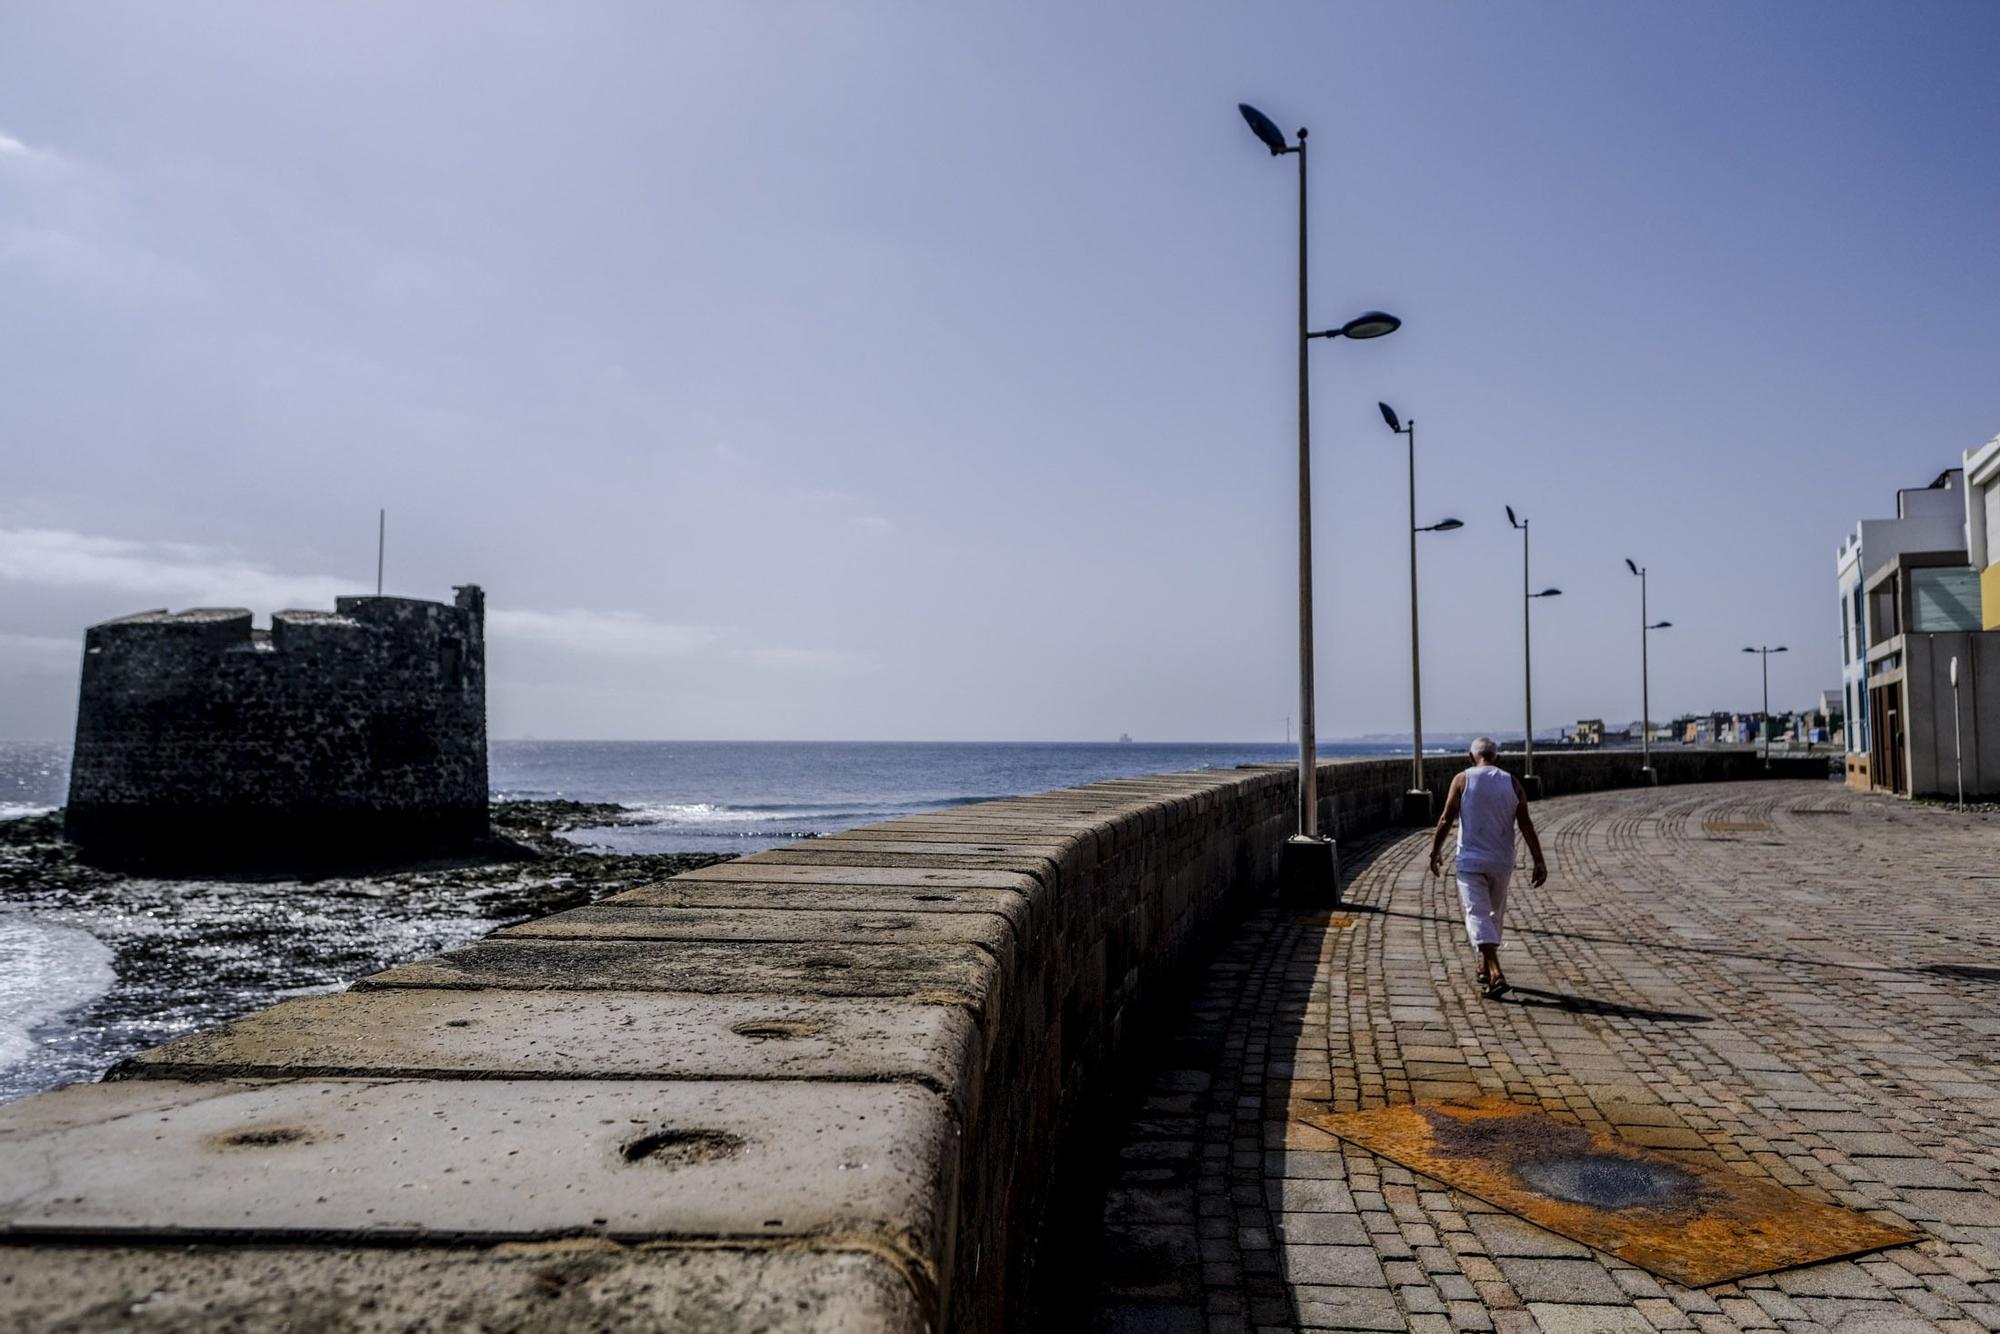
1522 818
1451 800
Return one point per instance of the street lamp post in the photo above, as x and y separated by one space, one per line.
1311 867
1645 680
1957 732
1417 801
1530 784
1764 655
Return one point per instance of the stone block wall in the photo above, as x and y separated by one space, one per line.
352 732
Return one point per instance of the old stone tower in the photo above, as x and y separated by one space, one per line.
341 735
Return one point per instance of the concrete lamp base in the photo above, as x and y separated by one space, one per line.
1309 873
1650 776
1417 808
1532 785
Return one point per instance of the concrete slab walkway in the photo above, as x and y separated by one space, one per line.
1786 979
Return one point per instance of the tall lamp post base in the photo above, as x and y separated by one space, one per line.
1417 808
1532 785
1650 776
1309 873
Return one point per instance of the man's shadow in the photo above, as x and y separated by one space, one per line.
1535 997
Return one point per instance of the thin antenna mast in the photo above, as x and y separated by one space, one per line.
381 541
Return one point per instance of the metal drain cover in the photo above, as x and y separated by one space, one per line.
1691 1223
1607 1181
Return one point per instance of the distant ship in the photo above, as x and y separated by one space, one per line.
1124 738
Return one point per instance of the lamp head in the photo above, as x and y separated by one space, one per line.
1631 565
1389 415
1512 522
1447 525
1265 129
1370 324
1550 593
1661 625
1779 649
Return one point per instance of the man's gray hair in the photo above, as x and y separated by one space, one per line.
1484 749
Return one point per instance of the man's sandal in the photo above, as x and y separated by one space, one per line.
1497 987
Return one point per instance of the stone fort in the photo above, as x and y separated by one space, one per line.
341 735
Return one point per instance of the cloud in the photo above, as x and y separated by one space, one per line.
14 152
181 573
617 632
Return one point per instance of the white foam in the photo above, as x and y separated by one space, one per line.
45 970
19 810
707 813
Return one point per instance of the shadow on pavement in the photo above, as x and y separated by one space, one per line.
1965 972
1556 1000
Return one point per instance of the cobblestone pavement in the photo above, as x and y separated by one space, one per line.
1790 980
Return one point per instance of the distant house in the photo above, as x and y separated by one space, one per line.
1925 608
1588 732
1929 518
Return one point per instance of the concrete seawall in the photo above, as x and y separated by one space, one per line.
825 1087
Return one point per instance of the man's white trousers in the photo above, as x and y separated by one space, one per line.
1483 895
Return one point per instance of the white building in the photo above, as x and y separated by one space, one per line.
1930 518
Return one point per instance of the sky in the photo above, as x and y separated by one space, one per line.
909 371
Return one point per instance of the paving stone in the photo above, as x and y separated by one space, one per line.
1301 1195
1321 1229
1913 1172
1834 1280
1871 1317
1562 1319
1346 1308
1550 1280
1345 1266
1504 1234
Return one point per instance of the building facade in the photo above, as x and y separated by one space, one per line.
1929 518
1982 525
1933 679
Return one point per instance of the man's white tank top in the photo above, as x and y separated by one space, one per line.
1486 819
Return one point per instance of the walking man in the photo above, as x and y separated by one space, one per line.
1490 802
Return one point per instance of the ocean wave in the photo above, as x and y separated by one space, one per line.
21 810
698 814
45 971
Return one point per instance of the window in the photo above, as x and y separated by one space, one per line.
1944 599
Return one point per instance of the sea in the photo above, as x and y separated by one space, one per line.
92 972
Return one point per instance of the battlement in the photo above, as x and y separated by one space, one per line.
362 729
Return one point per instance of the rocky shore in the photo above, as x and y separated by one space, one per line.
109 963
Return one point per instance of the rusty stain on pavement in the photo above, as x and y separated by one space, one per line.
1735 827
1681 1220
